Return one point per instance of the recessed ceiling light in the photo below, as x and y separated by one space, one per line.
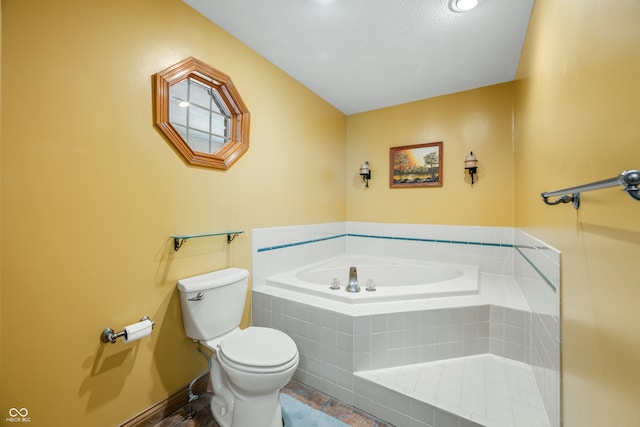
462 5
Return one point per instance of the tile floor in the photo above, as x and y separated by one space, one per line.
487 389
307 395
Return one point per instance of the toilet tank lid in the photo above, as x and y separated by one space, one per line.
212 280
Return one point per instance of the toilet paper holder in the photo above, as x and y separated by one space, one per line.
109 335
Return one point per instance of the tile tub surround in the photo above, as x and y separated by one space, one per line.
355 343
490 248
524 276
481 390
279 249
335 347
537 270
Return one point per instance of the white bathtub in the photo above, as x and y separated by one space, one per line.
395 279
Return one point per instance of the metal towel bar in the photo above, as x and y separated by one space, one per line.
630 179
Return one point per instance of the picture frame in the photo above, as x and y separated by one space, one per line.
418 165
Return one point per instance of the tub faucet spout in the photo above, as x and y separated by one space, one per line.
353 281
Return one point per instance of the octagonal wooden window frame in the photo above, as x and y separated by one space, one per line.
238 143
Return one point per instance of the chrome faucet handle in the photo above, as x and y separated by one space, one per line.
371 285
335 283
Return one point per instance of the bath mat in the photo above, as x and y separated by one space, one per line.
297 414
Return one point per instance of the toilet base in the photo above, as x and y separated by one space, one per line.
221 412
263 411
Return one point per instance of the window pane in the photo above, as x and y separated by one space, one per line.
219 125
199 95
219 105
178 114
181 130
199 141
216 143
198 118
179 90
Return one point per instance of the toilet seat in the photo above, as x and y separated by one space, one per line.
258 350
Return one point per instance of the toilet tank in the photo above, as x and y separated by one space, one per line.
213 303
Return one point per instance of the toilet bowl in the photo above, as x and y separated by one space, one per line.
258 359
249 366
256 363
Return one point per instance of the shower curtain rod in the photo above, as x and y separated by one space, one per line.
630 179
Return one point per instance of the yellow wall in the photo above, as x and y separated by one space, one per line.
91 192
0 190
577 121
478 120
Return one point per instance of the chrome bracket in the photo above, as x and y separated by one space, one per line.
574 199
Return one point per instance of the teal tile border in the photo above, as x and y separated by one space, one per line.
540 273
305 242
418 239
369 236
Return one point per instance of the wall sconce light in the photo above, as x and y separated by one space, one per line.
365 173
471 164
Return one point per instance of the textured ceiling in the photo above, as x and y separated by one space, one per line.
362 55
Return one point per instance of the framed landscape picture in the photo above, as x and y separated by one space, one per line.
416 165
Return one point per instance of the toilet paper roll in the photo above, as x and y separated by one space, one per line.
138 330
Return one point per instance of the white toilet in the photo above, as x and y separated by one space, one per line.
249 366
